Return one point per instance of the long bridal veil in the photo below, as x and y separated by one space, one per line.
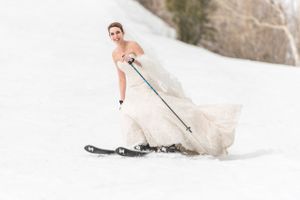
161 78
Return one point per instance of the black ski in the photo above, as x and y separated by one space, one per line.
120 151
131 153
96 150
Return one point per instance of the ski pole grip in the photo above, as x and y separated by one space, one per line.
131 61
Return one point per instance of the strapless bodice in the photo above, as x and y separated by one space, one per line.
132 77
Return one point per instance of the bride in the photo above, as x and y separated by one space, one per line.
149 124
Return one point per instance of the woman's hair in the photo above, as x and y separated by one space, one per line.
115 24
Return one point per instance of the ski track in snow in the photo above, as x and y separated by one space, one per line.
59 92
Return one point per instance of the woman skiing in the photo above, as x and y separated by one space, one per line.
162 118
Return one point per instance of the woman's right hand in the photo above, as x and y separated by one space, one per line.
120 102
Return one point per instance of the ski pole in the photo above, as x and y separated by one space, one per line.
187 127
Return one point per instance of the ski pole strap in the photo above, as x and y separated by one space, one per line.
187 127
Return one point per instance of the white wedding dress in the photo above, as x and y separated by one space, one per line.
147 120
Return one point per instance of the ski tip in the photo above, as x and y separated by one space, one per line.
129 153
89 148
121 151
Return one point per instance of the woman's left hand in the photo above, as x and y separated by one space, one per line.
126 58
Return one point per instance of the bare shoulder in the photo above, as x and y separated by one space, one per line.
136 47
133 44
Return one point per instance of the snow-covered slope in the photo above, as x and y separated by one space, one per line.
58 92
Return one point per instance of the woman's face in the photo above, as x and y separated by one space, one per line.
116 34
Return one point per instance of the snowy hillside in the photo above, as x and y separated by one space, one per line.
58 92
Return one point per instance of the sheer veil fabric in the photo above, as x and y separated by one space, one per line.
161 77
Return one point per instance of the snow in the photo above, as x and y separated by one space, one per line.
59 92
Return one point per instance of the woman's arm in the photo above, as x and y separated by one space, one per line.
122 80
137 49
122 84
